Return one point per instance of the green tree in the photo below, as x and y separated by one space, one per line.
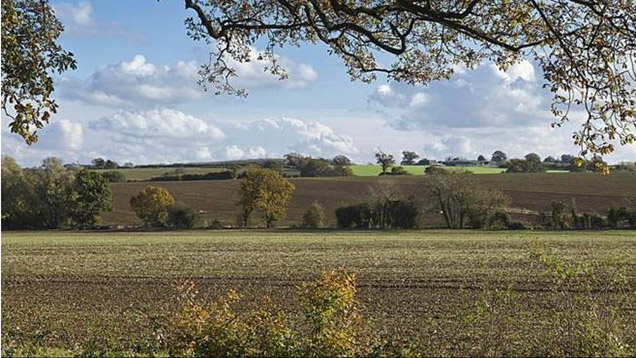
499 157
276 165
572 42
549 160
30 55
341 161
385 160
314 217
535 165
409 158
267 191
181 216
317 167
567 158
92 197
152 205
53 193
17 196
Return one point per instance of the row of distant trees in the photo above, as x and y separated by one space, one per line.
52 196
530 163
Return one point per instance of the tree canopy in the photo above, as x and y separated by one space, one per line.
30 54
152 205
265 190
586 49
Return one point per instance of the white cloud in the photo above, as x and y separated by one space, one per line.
158 123
62 134
136 82
280 136
78 21
80 14
483 98
388 96
523 70
254 73
234 152
139 82
418 99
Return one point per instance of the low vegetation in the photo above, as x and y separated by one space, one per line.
402 293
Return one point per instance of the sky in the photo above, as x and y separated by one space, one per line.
135 98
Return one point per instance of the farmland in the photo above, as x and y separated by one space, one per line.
416 284
374 170
364 170
140 174
216 199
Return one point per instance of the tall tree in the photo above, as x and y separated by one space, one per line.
461 202
341 161
267 191
385 160
499 157
53 193
92 198
409 158
30 54
17 197
535 165
584 48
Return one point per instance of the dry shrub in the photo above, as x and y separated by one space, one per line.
331 325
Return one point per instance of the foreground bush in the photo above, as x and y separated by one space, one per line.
331 325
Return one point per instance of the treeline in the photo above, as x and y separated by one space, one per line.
566 216
318 167
52 196
219 175
530 163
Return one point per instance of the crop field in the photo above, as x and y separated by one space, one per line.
67 286
216 199
374 170
139 174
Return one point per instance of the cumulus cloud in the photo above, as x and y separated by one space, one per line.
60 138
158 123
234 152
254 74
140 82
280 136
165 135
486 97
153 136
79 21
136 82
62 134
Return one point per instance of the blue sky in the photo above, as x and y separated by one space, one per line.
134 98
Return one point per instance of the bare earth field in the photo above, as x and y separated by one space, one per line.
216 199
415 284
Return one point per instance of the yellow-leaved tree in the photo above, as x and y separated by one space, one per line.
267 191
152 205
